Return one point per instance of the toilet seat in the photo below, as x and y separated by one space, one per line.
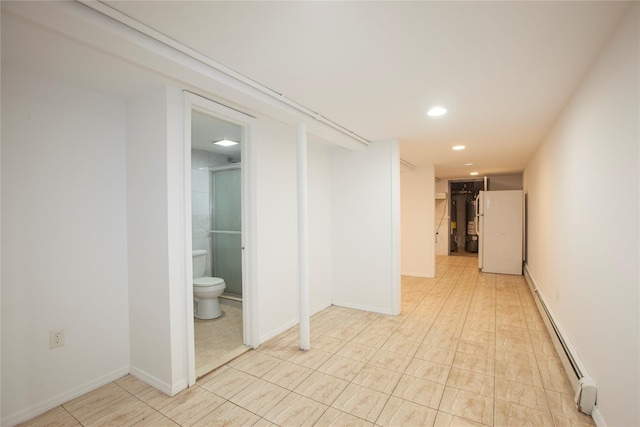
207 281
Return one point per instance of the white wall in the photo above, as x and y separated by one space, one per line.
365 227
277 252
418 234
583 249
179 253
155 179
320 267
64 242
505 182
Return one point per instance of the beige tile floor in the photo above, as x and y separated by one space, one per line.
469 349
219 340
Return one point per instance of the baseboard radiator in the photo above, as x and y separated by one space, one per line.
584 386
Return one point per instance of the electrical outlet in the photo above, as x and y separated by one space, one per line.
56 338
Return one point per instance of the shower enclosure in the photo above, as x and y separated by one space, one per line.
226 232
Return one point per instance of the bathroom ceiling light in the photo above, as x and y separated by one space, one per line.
458 147
437 111
468 164
474 173
225 142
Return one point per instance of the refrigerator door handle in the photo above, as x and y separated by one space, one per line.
477 217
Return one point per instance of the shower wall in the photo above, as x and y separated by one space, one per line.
227 240
201 161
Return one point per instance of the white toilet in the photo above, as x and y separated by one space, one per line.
206 290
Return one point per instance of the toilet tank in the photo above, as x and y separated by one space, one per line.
199 262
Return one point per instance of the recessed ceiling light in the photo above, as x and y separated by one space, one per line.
225 142
437 111
458 147
468 164
473 173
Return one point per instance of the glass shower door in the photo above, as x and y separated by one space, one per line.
226 232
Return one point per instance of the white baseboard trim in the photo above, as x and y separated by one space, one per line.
158 384
64 397
363 307
419 275
274 333
598 418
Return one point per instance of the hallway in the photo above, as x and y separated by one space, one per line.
468 349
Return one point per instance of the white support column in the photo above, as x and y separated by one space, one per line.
303 236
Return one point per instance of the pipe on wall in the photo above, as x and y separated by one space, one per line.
303 236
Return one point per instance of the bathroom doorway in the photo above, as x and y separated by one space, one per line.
217 193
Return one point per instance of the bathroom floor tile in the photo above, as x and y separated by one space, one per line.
217 341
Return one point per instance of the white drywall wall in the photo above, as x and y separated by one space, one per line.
64 242
418 216
277 252
583 248
365 222
152 216
319 183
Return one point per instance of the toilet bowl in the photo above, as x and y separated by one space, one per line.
206 290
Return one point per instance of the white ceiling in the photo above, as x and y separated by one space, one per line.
504 70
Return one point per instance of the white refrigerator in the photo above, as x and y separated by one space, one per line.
500 233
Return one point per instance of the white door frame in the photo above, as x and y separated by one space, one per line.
248 221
